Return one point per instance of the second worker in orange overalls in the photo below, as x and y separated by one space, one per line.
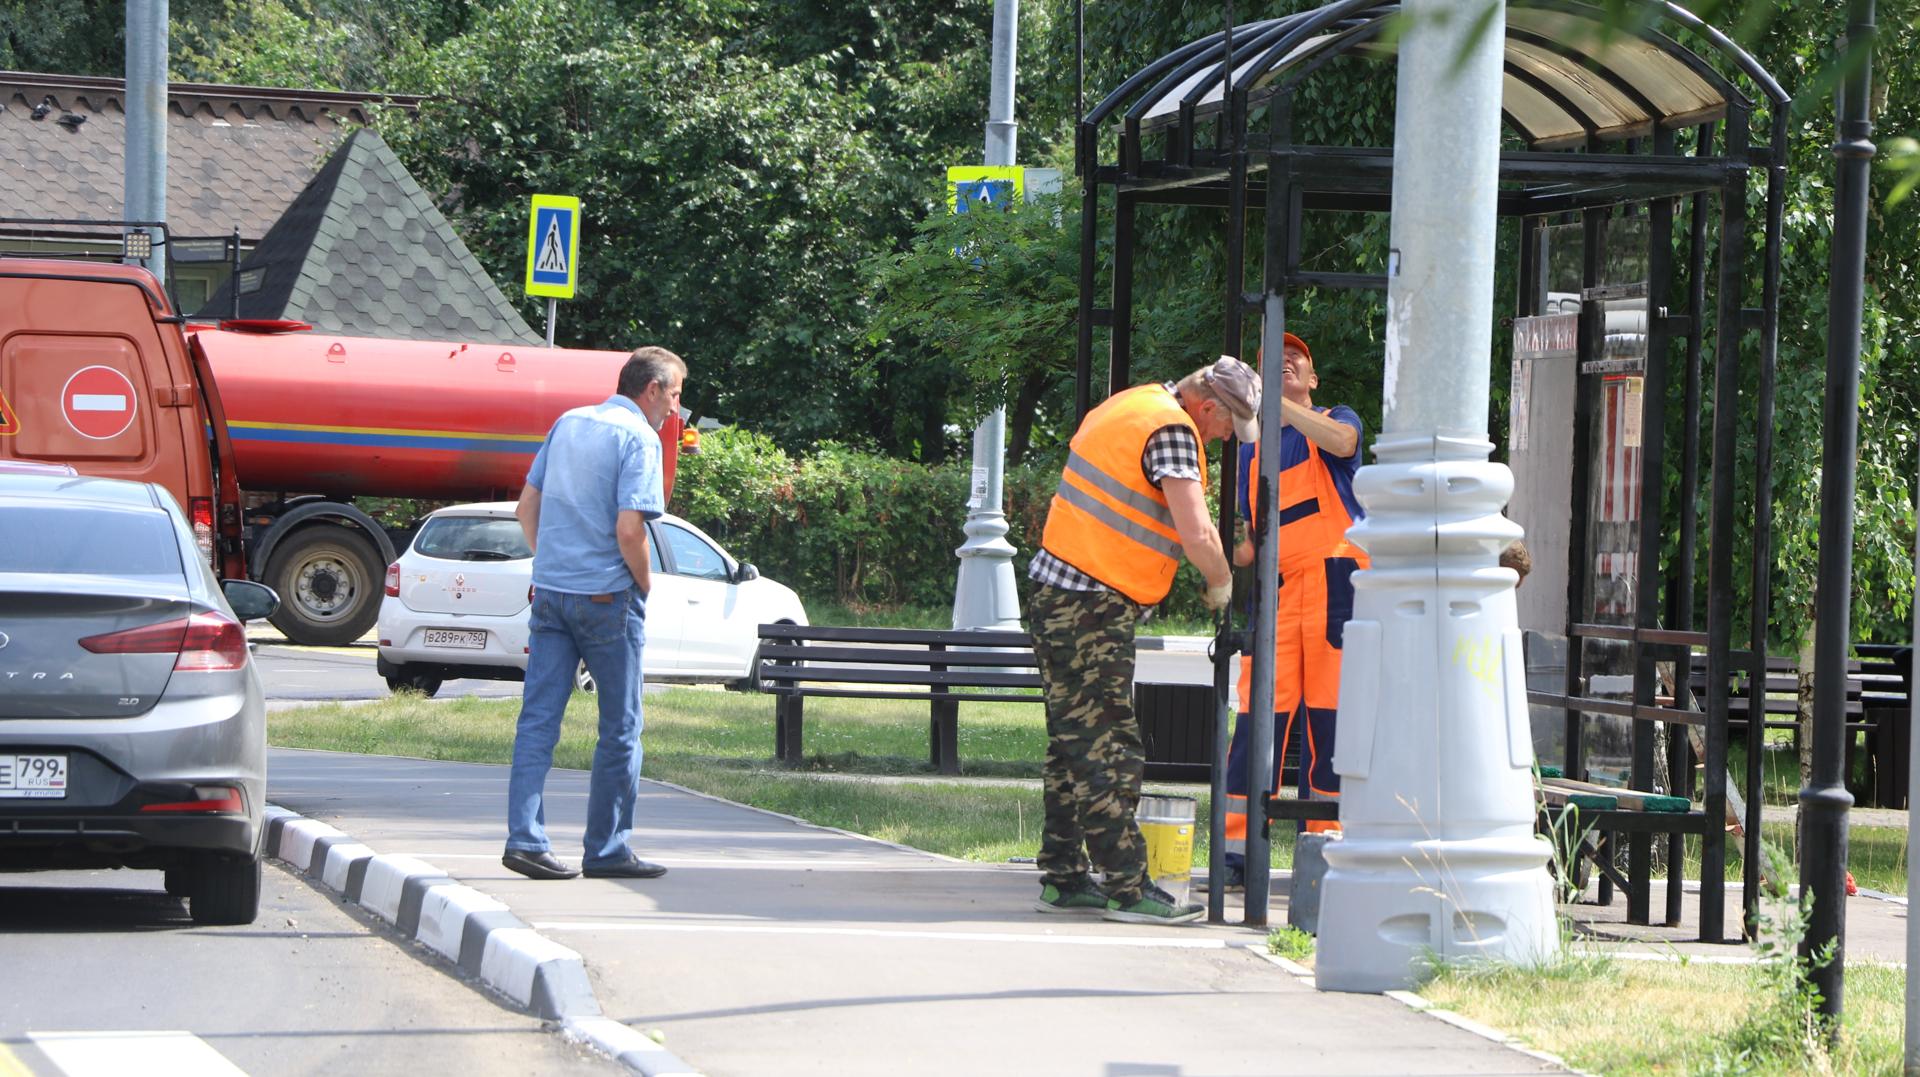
1319 454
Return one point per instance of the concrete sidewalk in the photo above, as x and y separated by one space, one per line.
773 947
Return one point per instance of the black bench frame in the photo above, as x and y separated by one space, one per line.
946 668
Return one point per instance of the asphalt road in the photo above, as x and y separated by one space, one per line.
105 974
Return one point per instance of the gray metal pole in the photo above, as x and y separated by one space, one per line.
984 595
146 173
1825 801
1434 754
553 315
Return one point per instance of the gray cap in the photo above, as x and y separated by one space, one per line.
1238 387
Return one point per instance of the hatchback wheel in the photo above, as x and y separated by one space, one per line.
226 890
413 680
179 882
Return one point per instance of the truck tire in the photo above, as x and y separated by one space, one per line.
329 579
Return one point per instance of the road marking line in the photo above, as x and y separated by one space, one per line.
10 1064
738 863
1137 941
152 1054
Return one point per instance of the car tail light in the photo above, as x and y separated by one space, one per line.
202 513
206 798
205 642
393 580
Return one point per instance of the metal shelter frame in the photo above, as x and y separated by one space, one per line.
1610 119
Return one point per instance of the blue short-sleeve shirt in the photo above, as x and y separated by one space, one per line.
598 461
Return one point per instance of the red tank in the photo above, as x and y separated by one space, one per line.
321 413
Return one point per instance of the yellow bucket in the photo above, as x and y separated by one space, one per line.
1167 824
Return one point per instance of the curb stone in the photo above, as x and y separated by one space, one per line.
476 933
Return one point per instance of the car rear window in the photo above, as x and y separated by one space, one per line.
472 538
88 540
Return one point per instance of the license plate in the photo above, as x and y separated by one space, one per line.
461 639
38 777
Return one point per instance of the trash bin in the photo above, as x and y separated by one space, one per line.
1176 724
1167 825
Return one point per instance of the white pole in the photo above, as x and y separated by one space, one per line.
984 594
553 313
1434 750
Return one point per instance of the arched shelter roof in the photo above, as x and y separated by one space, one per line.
1570 77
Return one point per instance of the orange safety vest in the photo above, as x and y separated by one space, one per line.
1106 519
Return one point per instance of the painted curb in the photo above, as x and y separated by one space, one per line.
474 932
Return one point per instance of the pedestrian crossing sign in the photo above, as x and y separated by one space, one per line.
983 186
553 246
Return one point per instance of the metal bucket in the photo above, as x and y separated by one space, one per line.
1167 824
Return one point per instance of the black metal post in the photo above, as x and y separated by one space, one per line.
1646 603
1087 158
1720 531
1763 519
1593 233
1824 802
1120 334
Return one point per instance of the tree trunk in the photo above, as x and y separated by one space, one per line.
1025 404
933 433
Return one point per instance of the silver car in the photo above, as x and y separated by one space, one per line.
132 727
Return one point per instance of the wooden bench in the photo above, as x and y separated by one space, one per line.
945 668
1878 708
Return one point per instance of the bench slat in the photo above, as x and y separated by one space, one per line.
859 675
957 697
893 656
834 634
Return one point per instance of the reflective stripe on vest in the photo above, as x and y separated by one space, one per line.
1106 519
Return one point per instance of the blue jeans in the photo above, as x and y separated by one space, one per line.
566 628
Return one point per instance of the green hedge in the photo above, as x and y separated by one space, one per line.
856 528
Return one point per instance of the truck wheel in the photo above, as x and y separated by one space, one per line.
329 578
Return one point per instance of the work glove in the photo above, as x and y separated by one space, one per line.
1218 595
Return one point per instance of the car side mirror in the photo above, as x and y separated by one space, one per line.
250 601
745 572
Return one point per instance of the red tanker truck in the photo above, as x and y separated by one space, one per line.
266 431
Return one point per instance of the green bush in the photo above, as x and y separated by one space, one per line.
855 528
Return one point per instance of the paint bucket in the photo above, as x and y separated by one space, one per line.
1167 824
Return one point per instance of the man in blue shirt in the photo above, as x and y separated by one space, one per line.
592 487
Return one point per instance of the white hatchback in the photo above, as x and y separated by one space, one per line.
457 603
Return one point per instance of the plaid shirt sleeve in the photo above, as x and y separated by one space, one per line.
1172 453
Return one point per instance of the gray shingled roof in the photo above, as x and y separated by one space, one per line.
363 251
236 156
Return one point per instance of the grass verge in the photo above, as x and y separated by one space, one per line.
866 771
1644 1017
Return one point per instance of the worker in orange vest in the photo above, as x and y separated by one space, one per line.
1319 454
1131 502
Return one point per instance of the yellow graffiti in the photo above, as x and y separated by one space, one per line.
1481 657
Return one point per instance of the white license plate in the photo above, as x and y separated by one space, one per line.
39 777
457 638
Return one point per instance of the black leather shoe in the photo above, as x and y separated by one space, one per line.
540 865
631 868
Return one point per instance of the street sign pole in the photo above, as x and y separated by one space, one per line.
553 312
984 595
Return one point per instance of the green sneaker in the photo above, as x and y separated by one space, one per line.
1087 900
1155 906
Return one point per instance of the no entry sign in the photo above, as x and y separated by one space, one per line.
99 402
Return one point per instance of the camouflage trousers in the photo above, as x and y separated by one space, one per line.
1083 644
